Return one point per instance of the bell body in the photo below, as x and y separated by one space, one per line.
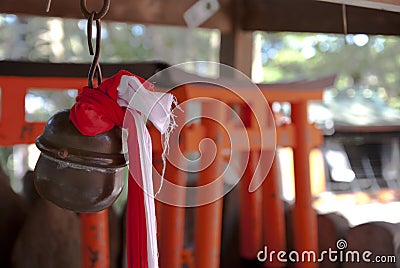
77 172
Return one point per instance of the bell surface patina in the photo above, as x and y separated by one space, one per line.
78 172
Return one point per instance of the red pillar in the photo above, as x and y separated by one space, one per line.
209 217
304 217
95 240
171 226
171 235
208 230
274 217
250 212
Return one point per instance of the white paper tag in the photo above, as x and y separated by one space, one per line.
200 12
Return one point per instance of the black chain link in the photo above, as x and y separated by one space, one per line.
94 16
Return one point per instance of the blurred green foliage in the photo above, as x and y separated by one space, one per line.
358 60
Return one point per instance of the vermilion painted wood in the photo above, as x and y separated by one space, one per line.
304 217
208 218
300 135
95 240
13 127
273 218
250 213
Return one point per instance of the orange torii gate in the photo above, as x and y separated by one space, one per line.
299 135
302 137
261 212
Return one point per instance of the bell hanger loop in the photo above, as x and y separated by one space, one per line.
99 15
94 16
95 66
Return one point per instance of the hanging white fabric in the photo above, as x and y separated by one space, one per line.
146 105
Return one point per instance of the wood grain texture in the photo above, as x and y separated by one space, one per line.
316 16
389 5
251 15
163 12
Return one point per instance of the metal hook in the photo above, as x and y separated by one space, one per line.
95 66
89 27
100 14
94 16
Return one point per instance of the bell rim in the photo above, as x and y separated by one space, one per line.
101 160
84 202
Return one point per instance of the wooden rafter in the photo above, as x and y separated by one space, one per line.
388 5
243 15
162 12
316 16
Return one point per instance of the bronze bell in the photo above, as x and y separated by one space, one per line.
77 172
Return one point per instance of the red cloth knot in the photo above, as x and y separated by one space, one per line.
97 110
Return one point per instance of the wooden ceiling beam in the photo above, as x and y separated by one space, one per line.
158 12
388 5
264 15
316 16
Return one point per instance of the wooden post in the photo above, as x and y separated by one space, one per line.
171 235
304 217
95 240
237 51
274 217
209 217
171 218
250 213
